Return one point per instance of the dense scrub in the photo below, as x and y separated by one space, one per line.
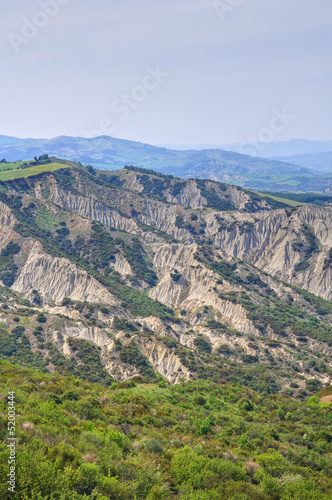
195 441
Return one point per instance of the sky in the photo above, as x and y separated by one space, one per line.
167 72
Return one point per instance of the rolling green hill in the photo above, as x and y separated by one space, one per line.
112 154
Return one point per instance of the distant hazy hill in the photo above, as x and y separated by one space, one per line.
274 149
226 166
113 154
296 147
322 162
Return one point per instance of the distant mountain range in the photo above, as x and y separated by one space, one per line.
273 149
322 162
226 166
315 155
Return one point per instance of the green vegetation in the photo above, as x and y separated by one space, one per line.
194 441
150 172
139 262
89 355
281 317
16 348
223 268
85 362
125 325
214 200
155 186
311 246
319 199
8 267
181 223
288 198
202 344
131 355
328 260
6 166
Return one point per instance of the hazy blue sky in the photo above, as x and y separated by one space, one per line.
231 66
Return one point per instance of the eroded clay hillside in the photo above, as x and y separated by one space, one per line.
112 275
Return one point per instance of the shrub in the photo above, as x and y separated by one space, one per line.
273 463
116 437
203 344
70 395
66 301
187 467
111 488
154 445
18 331
41 318
200 401
313 385
88 478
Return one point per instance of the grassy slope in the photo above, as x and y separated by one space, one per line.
291 203
8 175
10 165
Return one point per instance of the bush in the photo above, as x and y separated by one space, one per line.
66 301
116 437
41 318
203 344
88 479
154 445
112 489
18 331
313 385
273 463
187 467
200 401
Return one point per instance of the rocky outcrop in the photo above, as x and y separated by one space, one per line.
251 245
165 362
93 210
189 193
268 240
121 265
131 181
7 222
242 200
195 288
189 196
91 334
163 217
57 278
